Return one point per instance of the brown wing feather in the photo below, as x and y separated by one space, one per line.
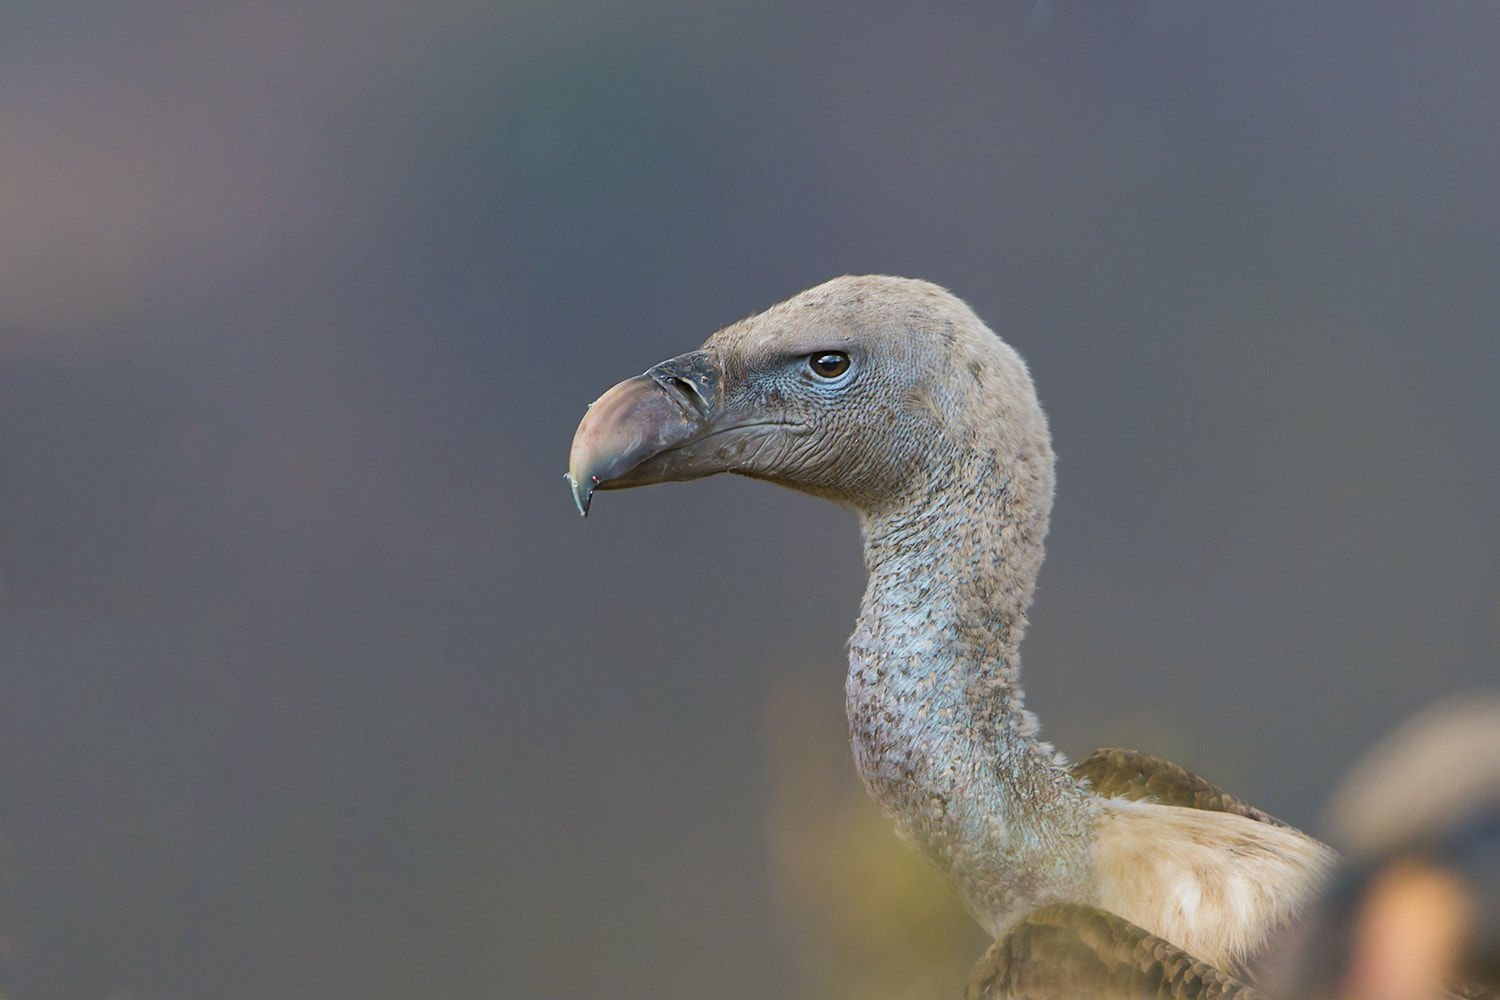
1134 775
1068 951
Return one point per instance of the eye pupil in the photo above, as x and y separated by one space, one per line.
829 365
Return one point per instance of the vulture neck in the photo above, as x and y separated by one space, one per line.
936 719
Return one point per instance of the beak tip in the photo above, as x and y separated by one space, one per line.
581 494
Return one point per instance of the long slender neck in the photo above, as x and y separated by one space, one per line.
939 732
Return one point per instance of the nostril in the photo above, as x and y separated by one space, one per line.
691 381
689 389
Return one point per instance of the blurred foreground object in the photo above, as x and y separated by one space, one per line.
1416 914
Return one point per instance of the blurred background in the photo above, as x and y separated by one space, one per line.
314 685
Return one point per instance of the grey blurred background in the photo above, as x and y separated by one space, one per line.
312 682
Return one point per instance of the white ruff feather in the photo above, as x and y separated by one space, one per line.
1213 883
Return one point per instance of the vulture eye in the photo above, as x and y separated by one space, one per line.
829 365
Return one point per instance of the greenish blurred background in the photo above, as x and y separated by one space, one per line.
313 684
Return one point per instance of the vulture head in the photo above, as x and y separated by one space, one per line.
871 391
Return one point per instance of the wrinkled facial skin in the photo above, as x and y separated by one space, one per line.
771 398
843 437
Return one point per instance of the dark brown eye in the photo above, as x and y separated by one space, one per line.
830 365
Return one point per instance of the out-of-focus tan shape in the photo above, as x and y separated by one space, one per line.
1409 934
1414 917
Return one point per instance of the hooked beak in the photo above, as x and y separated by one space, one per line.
640 431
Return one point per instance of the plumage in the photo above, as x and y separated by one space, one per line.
1085 953
1214 883
1116 772
891 397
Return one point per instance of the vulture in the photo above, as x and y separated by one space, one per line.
891 397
